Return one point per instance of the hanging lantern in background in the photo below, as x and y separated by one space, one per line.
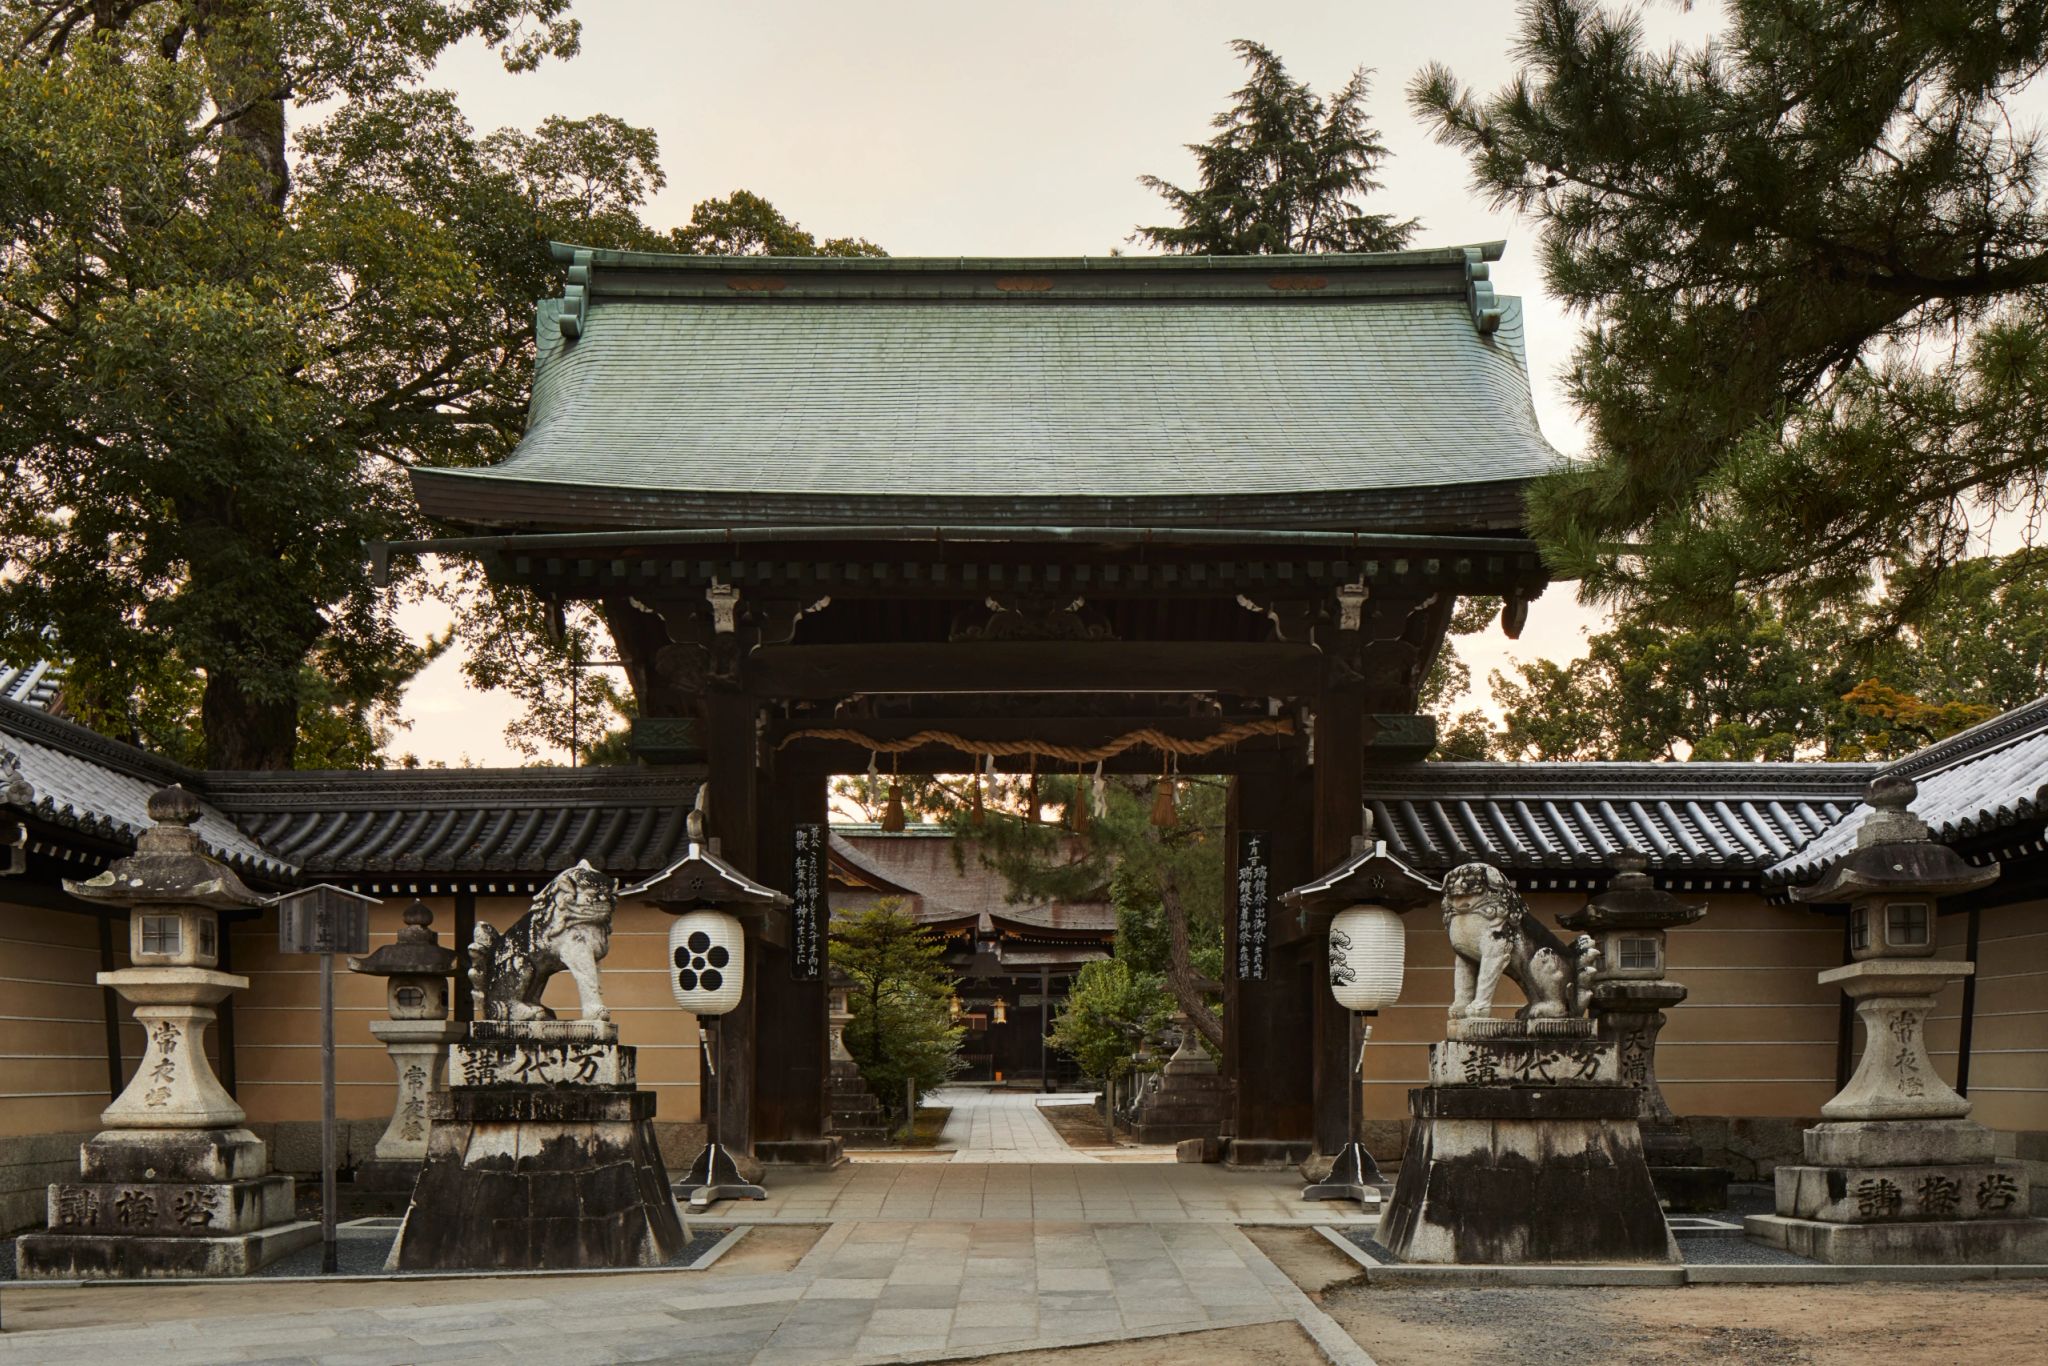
999 1013
707 953
1368 952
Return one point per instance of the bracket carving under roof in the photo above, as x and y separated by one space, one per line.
1486 313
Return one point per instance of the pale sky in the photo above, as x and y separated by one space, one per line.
950 129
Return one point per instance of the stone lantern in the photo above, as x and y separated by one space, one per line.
175 1185
1896 1171
417 1035
1628 922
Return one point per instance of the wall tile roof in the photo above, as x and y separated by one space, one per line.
71 777
35 684
1987 779
360 826
1722 820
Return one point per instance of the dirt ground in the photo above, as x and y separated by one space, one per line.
1262 1344
1929 1324
1079 1125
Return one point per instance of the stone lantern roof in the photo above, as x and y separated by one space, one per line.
1632 901
417 953
170 866
1895 852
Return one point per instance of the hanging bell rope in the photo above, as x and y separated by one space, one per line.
1165 811
1178 746
892 814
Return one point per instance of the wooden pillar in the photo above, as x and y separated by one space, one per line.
1268 1039
1339 798
729 745
791 1077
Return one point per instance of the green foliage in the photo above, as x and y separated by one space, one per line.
223 346
1815 260
1756 682
1111 1009
1285 172
744 224
902 1030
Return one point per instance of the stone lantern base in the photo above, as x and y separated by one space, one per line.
1190 1100
1525 1149
1903 1191
165 1203
541 1156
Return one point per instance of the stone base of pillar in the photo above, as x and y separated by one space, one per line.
1545 1168
1946 1242
164 1204
540 1177
856 1114
1692 1190
386 1174
818 1154
1903 1191
1262 1153
1190 1102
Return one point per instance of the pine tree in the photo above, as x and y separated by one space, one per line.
1814 258
1284 173
902 1031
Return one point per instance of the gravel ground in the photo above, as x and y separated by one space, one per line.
359 1256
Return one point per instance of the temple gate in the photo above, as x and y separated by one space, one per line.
826 505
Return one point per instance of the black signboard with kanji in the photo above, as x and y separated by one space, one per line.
807 909
1254 850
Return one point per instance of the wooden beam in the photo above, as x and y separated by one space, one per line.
832 671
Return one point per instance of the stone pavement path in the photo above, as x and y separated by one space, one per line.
920 1259
868 1291
1000 1126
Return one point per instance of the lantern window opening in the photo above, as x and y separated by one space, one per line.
1906 924
1859 928
1638 953
162 934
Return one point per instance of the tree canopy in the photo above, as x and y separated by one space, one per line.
1814 260
256 271
1286 172
1757 681
901 1031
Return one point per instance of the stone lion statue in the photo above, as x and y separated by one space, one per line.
1493 933
568 930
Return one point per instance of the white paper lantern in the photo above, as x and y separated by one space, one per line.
1367 954
707 955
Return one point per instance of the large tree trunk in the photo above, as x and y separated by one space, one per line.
1191 990
244 733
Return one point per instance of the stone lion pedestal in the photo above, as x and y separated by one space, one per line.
1525 1145
1525 1149
541 1155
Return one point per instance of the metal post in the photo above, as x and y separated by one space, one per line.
329 1263
1354 1173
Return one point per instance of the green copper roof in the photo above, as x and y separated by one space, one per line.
1349 392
